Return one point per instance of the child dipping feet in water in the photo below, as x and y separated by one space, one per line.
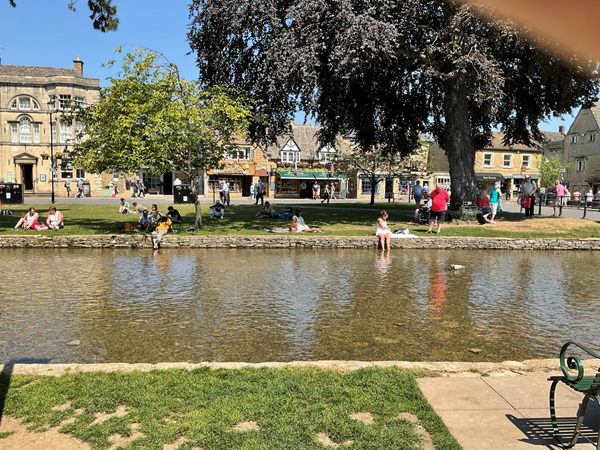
383 232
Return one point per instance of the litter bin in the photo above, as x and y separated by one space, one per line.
11 194
182 193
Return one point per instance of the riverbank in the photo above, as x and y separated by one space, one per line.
278 241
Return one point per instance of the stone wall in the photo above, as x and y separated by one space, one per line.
292 241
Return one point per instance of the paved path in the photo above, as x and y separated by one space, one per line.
504 413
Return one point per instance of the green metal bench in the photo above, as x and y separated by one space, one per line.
587 385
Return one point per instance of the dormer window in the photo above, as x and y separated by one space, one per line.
327 154
290 152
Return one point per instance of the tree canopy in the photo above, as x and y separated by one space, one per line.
104 14
152 119
384 72
551 170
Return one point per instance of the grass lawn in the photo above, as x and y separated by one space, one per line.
348 219
230 409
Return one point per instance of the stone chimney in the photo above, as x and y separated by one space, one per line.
78 66
561 129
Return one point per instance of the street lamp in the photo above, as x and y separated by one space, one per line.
51 104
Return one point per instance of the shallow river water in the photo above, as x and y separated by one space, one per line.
82 306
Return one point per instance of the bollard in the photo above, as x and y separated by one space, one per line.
562 200
584 209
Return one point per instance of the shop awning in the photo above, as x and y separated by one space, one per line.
484 176
521 176
304 175
261 173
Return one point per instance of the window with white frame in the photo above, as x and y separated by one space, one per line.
24 103
507 161
573 139
79 102
365 185
327 154
289 156
14 132
25 130
526 161
64 101
79 136
580 165
36 133
35 105
14 104
53 134
444 181
66 170
66 132
592 137
238 153
488 159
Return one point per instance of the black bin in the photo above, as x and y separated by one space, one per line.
182 194
11 194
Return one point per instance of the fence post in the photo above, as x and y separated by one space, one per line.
584 208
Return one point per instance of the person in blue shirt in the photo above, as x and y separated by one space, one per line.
418 193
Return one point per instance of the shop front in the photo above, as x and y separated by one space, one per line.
239 177
514 181
299 184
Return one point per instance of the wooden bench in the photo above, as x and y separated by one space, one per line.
588 385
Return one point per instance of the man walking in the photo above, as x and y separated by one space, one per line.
528 190
418 193
439 199
68 186
79 188
224 192
560 196
260 192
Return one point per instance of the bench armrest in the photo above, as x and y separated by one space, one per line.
573 362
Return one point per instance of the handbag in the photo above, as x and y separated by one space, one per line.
526 203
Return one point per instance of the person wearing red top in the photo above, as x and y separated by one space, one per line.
439 198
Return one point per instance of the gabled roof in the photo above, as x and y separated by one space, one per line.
305 137
595 109
33 71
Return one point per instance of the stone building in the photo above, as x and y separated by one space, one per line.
26 130
582 151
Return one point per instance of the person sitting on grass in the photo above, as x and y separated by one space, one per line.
217 211
174 215
162 228
55 219
124 207
298 225
265 212
145 220
288 214
29 220
137 208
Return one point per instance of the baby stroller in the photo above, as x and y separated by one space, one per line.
423 216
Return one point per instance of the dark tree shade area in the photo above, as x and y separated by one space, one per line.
386 71
104 14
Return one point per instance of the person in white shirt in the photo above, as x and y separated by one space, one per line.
55 219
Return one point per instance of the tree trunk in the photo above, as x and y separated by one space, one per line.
457 140
373 188
198 219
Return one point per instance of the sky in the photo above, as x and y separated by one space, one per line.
46 33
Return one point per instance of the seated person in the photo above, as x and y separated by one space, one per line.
137 208
174 215
162 228
577 195
145 220
567 194
422 209
55 219
124 207
217 211
288 214
597 195
298 225
265 211
484 203
29 220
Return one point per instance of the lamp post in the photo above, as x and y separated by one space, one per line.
51 104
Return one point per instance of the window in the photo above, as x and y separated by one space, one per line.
66 132
573 139
365 185
25 130
53 126
9 177
488 159
444 181
580 165
66 170
79 102
14 133
592 137
24 103
64 101
36 107
287 156
238 153
36 133
527 161
327 154
13 105
79 131
507 161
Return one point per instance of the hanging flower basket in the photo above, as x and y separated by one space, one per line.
58 155
45 156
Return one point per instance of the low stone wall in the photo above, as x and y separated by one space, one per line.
292 241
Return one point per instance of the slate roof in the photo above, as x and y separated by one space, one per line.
305 137
552 136
497 144
596 112
34 71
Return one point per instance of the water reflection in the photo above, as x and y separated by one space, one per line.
281 305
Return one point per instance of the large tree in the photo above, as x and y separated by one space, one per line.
384 72
104 13
152 119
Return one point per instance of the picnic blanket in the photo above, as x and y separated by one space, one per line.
287 230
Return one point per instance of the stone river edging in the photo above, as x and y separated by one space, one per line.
466 369
293 241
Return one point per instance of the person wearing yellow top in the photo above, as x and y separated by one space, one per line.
162 228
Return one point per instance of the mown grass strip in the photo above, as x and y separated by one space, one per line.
286 408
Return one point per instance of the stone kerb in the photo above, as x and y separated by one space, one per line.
293 241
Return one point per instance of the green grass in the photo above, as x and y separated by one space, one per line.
348 219
291 406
